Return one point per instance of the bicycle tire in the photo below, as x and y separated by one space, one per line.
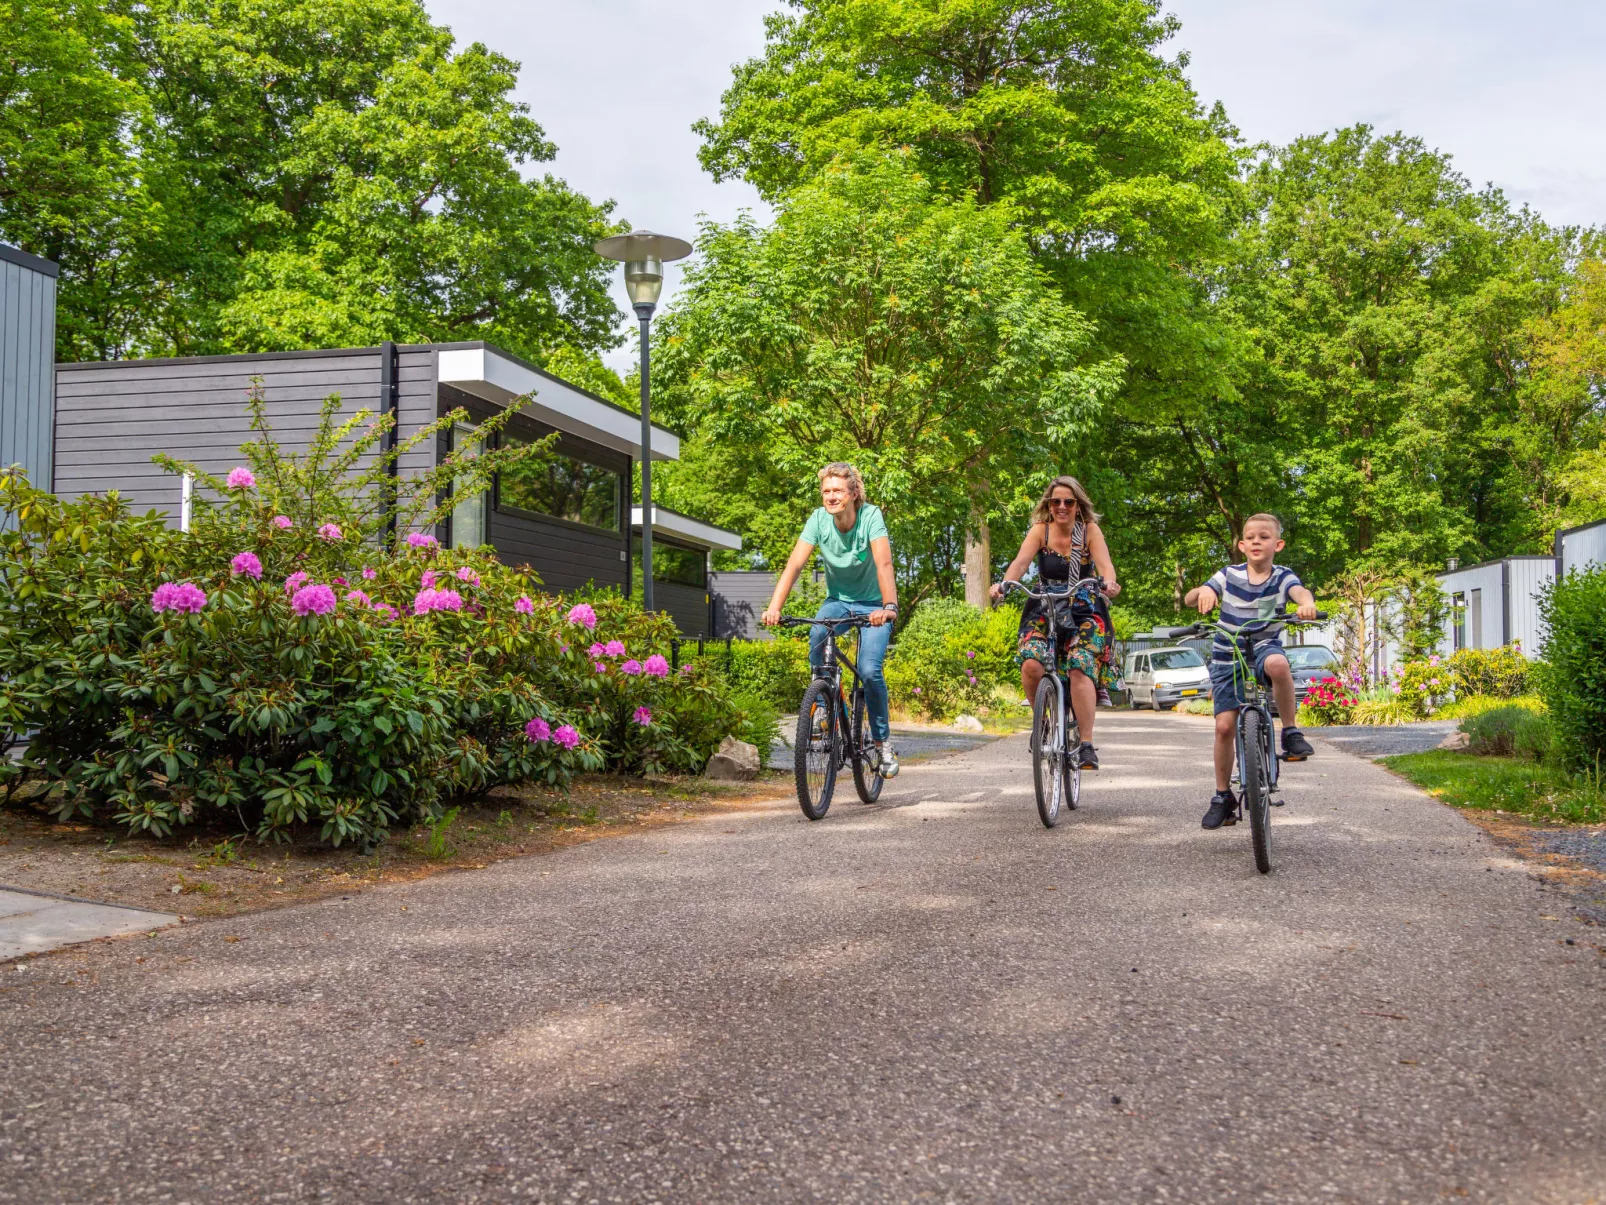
1048 753
865 780
1257 795
1071 766
815 760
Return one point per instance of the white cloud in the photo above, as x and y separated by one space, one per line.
1510 89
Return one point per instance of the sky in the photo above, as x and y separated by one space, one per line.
1510 88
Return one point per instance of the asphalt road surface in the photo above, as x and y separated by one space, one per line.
932 999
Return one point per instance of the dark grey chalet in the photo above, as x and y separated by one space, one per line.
568 517
681 548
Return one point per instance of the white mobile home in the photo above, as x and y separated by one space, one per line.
1581 547
1496 603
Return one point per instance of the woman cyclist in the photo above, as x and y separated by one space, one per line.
857 554
1067 544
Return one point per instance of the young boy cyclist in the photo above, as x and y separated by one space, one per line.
1258 589
851 536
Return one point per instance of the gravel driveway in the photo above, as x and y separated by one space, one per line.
932 999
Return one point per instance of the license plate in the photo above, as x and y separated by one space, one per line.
1189 692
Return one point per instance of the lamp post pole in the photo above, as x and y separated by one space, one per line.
644 254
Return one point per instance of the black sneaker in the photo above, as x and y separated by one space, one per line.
1295 746
1223 811
1087 757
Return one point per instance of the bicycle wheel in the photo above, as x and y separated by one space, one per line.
865 780
1071 766
1048 753
814 750
1257 796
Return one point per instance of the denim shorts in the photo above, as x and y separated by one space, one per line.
1226 682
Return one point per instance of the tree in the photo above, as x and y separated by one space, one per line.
881 322
312 174
1567 399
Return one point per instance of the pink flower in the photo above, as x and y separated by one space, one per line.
423 602
567 736
313 600
295 581
686 670
614 648
246 564
971 655
282 522
630 667
562 648
596 649
385 611
428 580
448 600
917 690
368 575
656 667
178 596
523 605
538 730
330 532
418 539
599 666
465 574
340 581
643 716
582 614
358 597
240 478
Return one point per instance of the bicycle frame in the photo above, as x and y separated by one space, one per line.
1061 678
831 671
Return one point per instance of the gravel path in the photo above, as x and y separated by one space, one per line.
1385 740
932 999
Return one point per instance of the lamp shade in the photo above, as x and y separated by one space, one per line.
642 245
644 280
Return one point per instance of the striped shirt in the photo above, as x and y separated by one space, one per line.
1243 601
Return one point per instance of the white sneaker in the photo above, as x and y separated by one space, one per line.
886 760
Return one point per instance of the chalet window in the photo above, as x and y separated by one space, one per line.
562 486
1458 608
686 566
468 516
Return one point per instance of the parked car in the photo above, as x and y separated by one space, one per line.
1309 662
1163 677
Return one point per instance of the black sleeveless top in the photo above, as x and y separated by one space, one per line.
1053 567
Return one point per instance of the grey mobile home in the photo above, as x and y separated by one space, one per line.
1496 603
571 522
27 352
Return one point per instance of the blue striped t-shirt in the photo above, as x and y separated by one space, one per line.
1243 601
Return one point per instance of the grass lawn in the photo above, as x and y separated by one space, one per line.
1502 784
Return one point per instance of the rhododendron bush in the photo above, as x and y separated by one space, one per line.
160 676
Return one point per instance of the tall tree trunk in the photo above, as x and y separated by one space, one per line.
978 558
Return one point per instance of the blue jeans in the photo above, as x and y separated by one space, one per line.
873 644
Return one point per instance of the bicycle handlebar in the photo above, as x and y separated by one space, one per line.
1208 628
1096 582
847 621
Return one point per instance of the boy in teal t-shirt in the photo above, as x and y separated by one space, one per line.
854 548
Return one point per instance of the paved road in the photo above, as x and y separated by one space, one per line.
930 1000
1383 740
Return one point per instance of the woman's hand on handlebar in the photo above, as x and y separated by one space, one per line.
1111 589
996 591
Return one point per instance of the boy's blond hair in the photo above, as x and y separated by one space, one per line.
1263 517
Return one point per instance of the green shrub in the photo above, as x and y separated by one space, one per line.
949 658
1508 732
1383 712
1573 684
1500 673
774 670
760 722
1471 705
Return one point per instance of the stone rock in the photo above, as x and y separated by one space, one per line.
735 761
1456 740
968 723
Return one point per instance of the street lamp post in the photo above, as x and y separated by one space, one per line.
644 255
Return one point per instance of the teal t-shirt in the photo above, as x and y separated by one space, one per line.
849 568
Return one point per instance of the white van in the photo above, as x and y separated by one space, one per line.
1164 677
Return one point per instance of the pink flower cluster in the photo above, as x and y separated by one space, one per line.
240 478
385 612
538 730
643 716
418 539
428 600
427 582
631 667
358 597
656 667
247 564
368 575
330 532
178 596
295 581
313 600
465 574
582 614
282 522
524 606
567 736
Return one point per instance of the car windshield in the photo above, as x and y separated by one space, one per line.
1309 656
1176 659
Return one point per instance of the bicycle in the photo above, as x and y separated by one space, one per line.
1056 737
1257 775
820 749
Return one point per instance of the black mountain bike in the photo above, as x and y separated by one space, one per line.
826 738
1257 764
1056 737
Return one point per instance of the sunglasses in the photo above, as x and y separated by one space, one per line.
1061 503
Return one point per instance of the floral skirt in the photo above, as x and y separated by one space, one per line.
1085 647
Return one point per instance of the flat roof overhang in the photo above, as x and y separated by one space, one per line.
669 523
500 378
